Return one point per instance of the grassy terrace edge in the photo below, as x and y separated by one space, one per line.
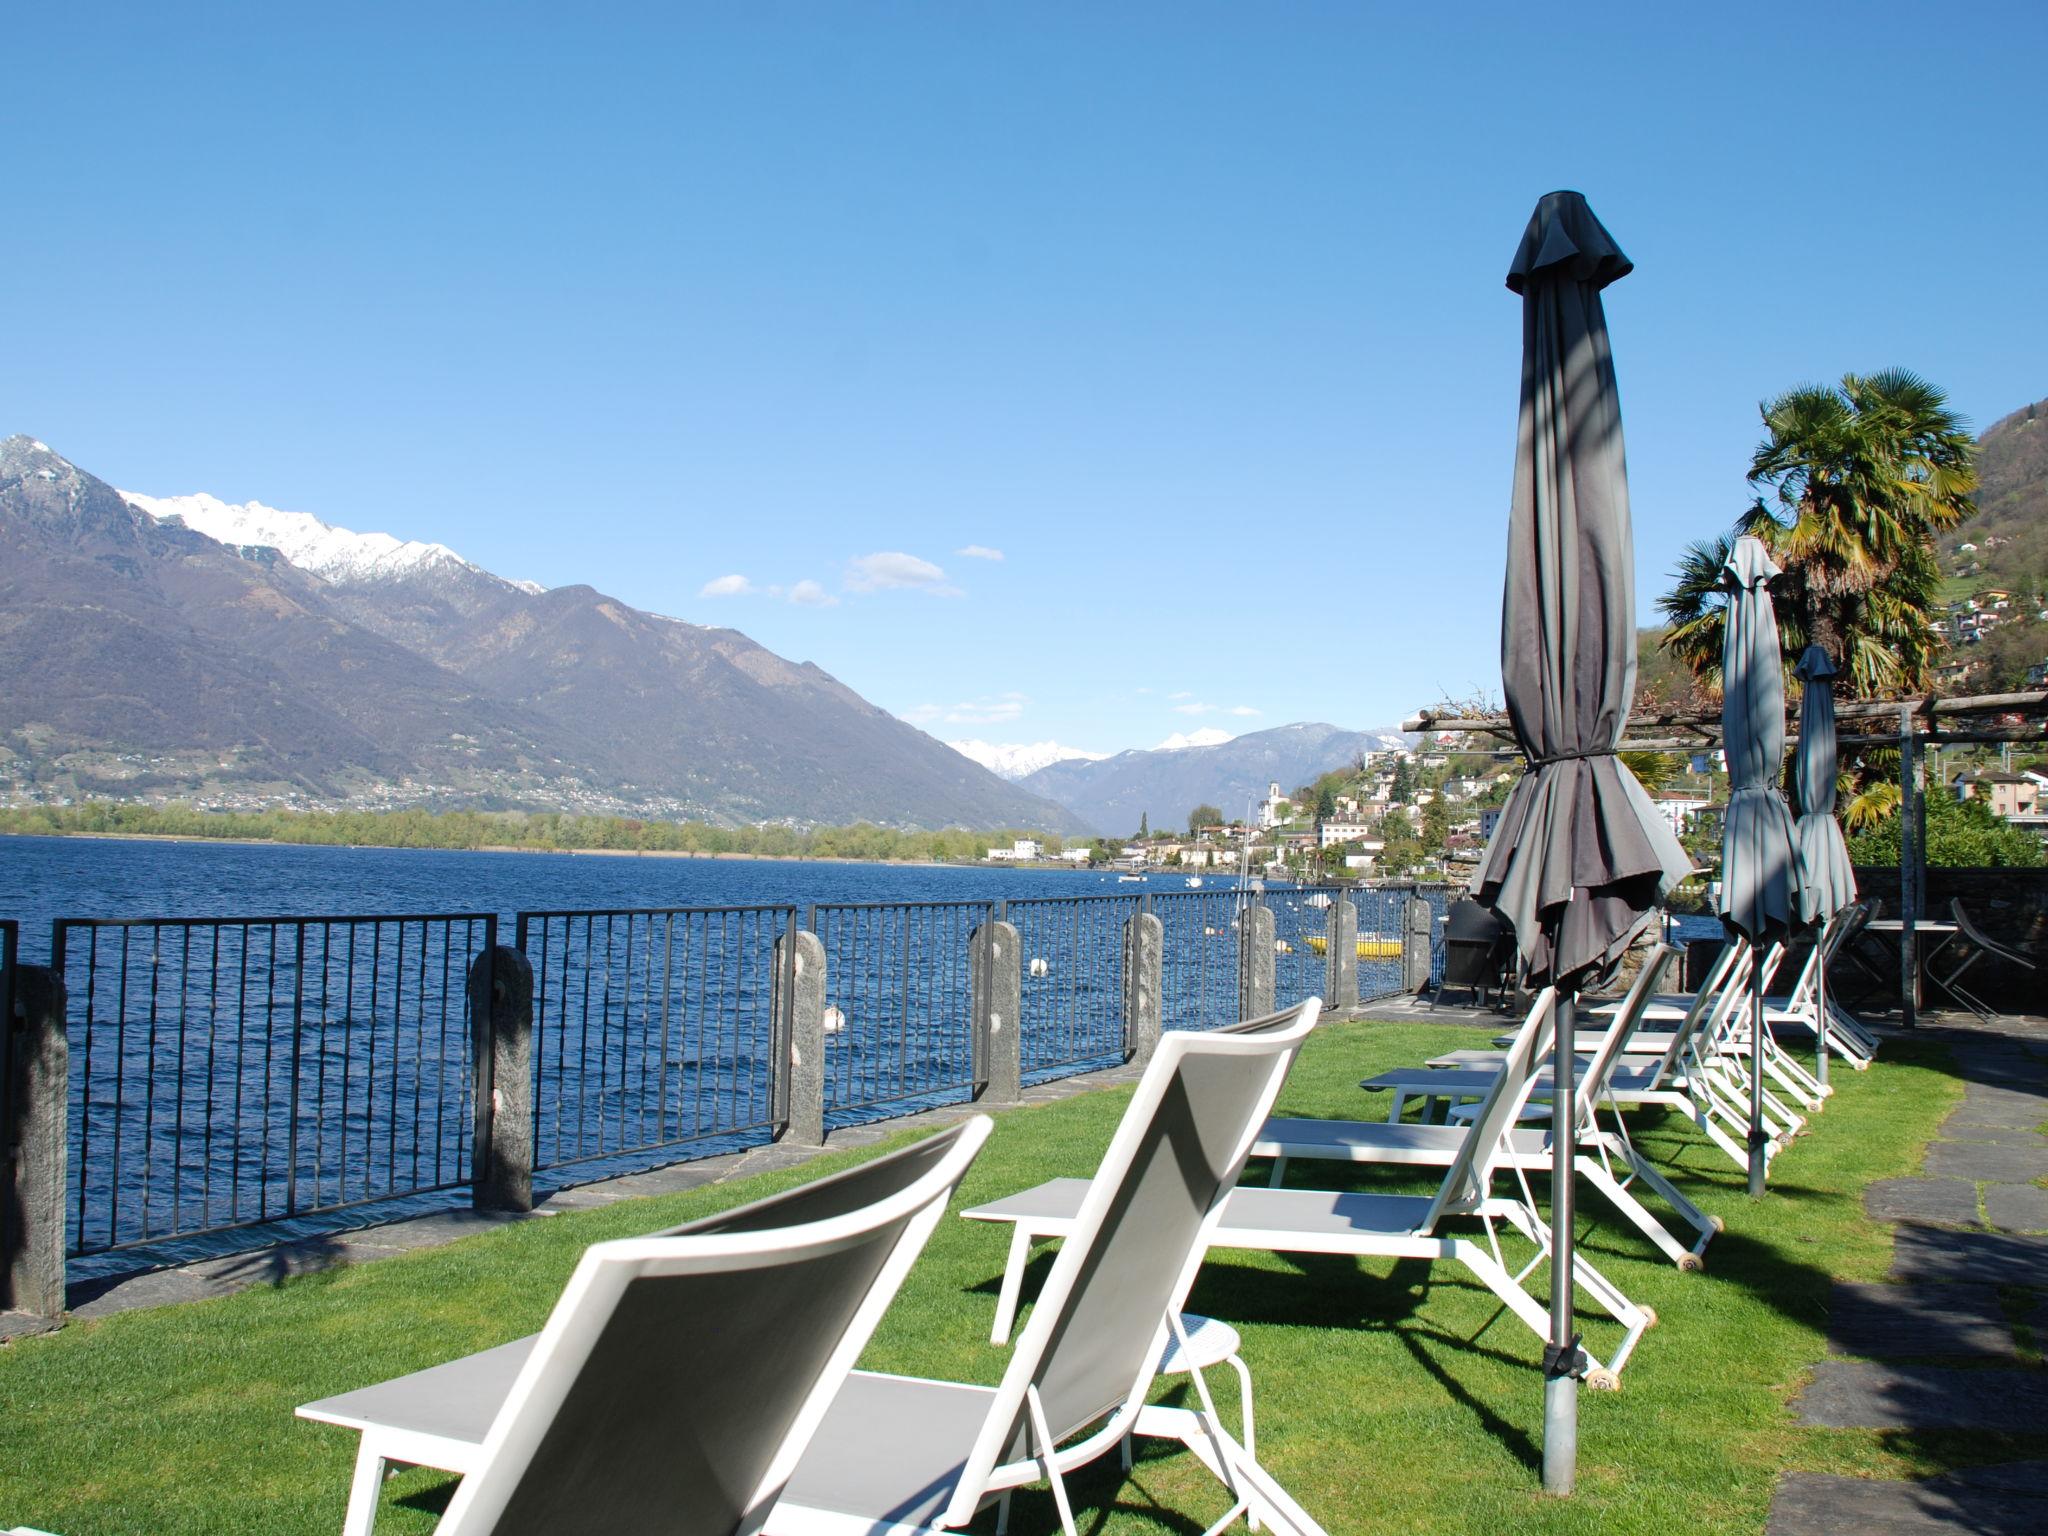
1390 1397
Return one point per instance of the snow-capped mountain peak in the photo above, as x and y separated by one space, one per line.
339 555
1009 760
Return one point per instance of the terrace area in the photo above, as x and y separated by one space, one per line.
1863 1346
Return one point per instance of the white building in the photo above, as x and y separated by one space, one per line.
1679 810
1341 829
1269 812
1025 848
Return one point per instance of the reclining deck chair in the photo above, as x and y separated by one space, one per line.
1726 1044
1366 1225
1981 946
902 1454
1691 1075
678 1376
1606 1160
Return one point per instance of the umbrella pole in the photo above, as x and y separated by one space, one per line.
1561 1360
1758 1142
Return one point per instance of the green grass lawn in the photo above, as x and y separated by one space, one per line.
1390 1397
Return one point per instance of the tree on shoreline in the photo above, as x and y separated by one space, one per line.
1860 479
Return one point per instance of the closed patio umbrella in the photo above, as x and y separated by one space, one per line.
1580 854
1761 886
1830 878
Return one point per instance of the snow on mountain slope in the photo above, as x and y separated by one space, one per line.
1013 761
339 555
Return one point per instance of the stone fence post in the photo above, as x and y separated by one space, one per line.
1256 962
1144 985
1342 996
501 1035
33 1150
798 1000
996 973
1418 931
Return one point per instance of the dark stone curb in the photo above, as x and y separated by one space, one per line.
1812 1504
1907 1321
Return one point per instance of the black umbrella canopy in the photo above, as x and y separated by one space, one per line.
1830 878
1762 881
1580 854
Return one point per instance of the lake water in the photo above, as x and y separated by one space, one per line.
42 878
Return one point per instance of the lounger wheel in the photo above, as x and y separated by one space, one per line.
1603 1380
1719 1225
1649 1317
1691 1263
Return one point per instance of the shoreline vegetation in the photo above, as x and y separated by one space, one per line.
508 832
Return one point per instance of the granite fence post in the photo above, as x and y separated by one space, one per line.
1144 985
501 1034
1342 996
1256 962
33 1150
996 973
1418 932
799 1003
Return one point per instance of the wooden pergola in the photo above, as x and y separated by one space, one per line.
1908 725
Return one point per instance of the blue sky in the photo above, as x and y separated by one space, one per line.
1193 312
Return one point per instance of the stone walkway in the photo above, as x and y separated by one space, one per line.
1953 1341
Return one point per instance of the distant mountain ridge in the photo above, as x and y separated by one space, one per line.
140 656
1164 784
1014 761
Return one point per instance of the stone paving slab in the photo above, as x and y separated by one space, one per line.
1983 1160
22 1325
1812 1504
1930 1254
2001 1106
2003 1135
2017 1208
1854 1394
1912 1321
1953 1201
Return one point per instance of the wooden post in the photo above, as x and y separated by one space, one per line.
501 1035
1911 853
996 969
800 967
33 1147
1144 981
1256 966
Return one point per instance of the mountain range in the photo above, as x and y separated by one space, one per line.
186 647
1164 784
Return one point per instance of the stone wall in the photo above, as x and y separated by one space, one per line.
2010 905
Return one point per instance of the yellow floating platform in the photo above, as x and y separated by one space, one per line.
1368 949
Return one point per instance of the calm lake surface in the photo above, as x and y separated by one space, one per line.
42 878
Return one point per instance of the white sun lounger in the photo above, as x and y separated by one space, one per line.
903 1454
1692 1075
679 1375
1395 1226
1607 1160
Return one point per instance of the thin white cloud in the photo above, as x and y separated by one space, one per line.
1245 711
1183 694
995 709
727 586
1197 708
808 594
892 570
979 552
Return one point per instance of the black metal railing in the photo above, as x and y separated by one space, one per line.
1301 930
655 1028
1198 984
230 1071
899 1006
1072 964
1381 916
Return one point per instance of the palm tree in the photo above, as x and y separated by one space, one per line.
1860 479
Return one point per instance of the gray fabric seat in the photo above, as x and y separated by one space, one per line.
454 1402
891 1447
